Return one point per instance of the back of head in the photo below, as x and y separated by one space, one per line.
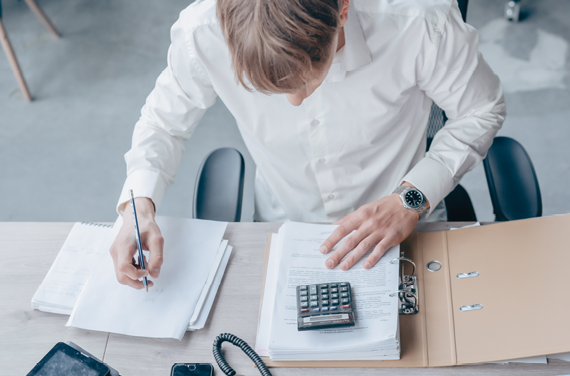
277 45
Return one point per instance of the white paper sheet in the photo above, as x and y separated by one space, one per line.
562 356
209 281
207 307
165 311
301 263
262 342
71 268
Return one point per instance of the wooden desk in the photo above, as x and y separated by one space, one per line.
27 251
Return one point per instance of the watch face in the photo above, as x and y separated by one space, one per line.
414 198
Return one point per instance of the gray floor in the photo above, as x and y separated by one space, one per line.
61 157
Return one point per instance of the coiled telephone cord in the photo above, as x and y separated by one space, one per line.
224 366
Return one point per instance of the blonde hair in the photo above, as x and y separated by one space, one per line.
278 45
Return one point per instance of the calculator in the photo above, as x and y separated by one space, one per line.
326 305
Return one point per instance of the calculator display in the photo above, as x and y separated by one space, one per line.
324 305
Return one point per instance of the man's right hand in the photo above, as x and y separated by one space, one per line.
124 248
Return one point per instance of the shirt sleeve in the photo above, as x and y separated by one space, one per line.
454 74
181 96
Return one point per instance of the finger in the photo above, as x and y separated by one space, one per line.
363 247
155 246
138 264
338 234
126 267
124 280
347 245
343 219
378 252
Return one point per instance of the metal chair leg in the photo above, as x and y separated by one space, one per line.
13 62
42 17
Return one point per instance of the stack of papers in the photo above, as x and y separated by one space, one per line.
82 281
294 260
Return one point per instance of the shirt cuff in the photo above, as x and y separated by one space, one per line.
144 183
432 179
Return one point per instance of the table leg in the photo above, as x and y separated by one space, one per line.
13 62
42 16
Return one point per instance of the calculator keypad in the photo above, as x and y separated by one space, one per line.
324 306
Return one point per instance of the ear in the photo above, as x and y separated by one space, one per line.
344 12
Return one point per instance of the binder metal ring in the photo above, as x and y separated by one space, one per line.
408 260
406 292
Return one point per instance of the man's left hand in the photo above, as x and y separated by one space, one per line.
384 222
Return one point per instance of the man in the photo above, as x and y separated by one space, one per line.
332 99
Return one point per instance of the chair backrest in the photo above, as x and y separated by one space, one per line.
437 116
219 188
512 181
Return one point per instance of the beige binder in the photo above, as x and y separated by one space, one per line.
521 290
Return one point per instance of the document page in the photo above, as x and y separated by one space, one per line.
71 268
376 312
190 248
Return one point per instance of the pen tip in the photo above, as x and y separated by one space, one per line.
146 288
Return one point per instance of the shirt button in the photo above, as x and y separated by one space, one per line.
331 196
322 160
315 122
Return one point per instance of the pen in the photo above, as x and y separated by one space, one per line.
138 236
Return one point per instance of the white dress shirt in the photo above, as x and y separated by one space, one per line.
357 137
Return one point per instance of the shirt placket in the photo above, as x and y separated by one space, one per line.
321 158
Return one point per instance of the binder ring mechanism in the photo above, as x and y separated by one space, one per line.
407 289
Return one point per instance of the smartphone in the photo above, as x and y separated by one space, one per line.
192 369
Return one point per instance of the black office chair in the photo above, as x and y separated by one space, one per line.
219 188
512 181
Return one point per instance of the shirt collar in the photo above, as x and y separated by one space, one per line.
355 52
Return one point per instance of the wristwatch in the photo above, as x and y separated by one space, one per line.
412 198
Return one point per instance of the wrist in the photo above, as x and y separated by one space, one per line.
144 207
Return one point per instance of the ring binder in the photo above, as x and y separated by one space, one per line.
407 289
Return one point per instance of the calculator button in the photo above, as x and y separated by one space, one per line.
325 309
324 291
314 297
316 309
334 296
324 286
303 293
314 304
344 300
334 301
343 284
304 305
313 289
334 290
325 302
303 298
303 288
344 295
344 289
346 306
333 308
333 285
305 310
324 296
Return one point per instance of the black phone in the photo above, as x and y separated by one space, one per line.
64 360
192 369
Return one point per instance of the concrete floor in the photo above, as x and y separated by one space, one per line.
61 157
